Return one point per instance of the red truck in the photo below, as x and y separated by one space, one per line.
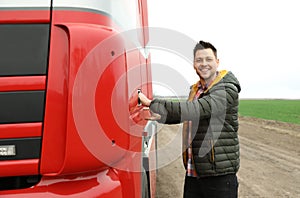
70 122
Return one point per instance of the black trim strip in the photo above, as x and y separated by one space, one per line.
21 106
26 148
23 49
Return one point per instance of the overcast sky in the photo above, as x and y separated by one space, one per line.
258 40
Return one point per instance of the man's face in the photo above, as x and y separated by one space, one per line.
206 64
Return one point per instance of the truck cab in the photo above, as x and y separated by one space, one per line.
70 122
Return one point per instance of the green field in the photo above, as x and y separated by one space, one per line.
280 110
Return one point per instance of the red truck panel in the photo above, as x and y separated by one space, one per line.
88 143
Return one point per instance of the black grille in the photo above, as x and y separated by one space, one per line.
23 49
21 106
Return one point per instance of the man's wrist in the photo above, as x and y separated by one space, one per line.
148 103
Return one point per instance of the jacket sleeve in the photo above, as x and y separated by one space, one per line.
211 104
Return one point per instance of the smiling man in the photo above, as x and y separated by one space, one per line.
210 132
206 61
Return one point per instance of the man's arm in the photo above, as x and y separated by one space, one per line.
176 112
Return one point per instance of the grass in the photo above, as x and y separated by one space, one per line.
280 110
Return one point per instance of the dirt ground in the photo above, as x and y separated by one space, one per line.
270 160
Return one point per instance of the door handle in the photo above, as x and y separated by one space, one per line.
147 113
139 100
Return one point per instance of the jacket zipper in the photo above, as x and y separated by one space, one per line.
212 153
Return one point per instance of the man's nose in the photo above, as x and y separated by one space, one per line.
203 63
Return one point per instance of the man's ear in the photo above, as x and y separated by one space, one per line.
218 61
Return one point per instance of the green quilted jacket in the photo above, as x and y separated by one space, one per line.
214 117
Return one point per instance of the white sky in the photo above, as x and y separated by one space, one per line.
258 40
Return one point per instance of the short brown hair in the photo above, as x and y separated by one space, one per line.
205 45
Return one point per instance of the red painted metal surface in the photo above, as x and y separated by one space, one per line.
20 130
19 167
105 184
19 83
25 16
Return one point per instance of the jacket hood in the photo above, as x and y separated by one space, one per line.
230 78
224 76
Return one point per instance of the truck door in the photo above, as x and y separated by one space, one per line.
136 62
